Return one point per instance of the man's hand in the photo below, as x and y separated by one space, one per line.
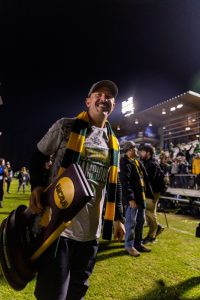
119 231
132 204
34 202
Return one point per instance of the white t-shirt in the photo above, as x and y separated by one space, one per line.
95 162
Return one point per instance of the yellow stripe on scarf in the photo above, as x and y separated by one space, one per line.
113 174
76 142
114 143
83 116
144 196
110 211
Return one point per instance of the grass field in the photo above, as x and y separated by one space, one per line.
171 271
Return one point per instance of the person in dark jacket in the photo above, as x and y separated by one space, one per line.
135 188
9 177
23 178
3 174
152 167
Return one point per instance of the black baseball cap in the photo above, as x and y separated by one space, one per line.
104 83
128 145
147 148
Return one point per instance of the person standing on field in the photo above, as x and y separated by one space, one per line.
153 169
65 267
9 176
3 175
135 188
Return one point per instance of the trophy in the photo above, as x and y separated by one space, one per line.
25 236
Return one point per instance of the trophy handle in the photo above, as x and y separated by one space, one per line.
49 240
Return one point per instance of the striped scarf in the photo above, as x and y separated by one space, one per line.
141 175
73 151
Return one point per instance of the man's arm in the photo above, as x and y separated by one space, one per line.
148 188
126 179
48 145
38 171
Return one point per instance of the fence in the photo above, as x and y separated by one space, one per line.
183 193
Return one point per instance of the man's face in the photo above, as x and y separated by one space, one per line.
101 102
133 152
2 162
143 154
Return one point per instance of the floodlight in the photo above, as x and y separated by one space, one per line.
128 107
118 127
179 105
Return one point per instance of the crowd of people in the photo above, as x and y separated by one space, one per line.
6 177
130 183
181 164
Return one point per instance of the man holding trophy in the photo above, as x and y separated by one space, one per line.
88 140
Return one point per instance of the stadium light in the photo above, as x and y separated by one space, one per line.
179 105
150 124
173 108
136 121
163 111
118 127
194 93
128 107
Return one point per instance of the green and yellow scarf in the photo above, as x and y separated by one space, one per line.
74 148
141 175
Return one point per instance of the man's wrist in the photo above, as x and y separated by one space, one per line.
122 220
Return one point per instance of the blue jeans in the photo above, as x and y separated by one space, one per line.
64 270
139 226
134 226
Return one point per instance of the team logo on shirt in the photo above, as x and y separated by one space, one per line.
64 193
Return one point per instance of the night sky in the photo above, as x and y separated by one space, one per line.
52 52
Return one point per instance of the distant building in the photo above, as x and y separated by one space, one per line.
176 120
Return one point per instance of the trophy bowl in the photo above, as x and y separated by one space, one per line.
24 236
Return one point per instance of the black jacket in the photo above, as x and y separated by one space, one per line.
132 188
152 167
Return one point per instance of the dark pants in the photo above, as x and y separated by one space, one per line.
64 270
1 190
8 181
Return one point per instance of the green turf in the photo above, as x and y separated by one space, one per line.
171 271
